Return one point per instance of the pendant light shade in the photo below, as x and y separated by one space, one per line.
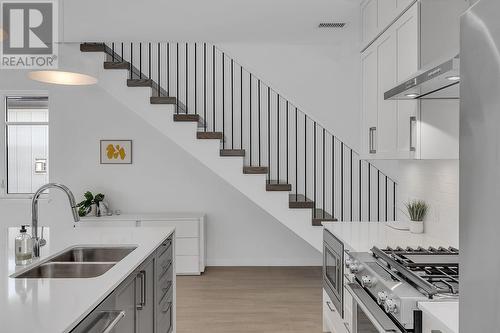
64 78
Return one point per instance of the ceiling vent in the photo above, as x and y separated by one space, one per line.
332 25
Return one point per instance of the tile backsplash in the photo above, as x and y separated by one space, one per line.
436 182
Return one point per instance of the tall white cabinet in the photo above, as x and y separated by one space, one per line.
395 48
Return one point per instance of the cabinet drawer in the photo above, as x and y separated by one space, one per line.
165 314
187 246
183 228
187 264
166 245
164 263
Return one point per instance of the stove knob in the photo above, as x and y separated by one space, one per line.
355 267
367 281
381 297
390 306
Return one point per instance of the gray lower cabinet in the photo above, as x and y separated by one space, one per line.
143 303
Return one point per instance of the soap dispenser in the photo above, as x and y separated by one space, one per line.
23 247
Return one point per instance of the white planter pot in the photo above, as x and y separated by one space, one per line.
416 227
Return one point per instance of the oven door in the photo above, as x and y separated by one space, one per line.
368 317
333 270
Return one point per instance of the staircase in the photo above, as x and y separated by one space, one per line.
247 133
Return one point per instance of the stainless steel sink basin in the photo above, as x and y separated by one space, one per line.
93 254
66 270
78 262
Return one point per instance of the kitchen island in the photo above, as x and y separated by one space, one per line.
49 305
439 314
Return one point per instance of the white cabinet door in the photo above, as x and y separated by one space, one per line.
387 112
369 18
369 99
386 12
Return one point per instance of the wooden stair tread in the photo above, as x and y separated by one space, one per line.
275 185
139 83
209 135
92 47
299 201
116 65
255 170
232 152
319 215
162 100
186 117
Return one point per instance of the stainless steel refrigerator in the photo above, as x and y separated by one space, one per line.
480 168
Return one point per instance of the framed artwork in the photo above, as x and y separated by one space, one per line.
116 151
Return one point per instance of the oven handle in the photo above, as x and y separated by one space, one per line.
378 317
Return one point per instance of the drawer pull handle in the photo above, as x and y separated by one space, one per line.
330 306
115 321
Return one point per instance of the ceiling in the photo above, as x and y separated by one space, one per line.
273 21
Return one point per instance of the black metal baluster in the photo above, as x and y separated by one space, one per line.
258 111
187 75
140 60
341 181
323 179
113 52
278 136
177 79
350 187
223 103
149 62
205 87
131 60
159 67
269 134
168 69
369 193
232 104
314 170
287 142
305 157
241 107
195 78
378 195
385 198
296 157
250 114
122 53
359 194
394 201
213 90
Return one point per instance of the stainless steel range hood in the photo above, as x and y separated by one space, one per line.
434 82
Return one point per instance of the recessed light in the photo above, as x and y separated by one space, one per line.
65 78
453 78
412 95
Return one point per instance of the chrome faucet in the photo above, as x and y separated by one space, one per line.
39 242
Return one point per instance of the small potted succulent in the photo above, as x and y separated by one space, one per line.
416 211
90 205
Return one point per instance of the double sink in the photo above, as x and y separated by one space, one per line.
78 262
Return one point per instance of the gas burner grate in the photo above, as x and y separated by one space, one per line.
437 266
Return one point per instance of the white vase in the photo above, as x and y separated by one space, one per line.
416 227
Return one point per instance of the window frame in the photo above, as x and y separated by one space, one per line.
3 142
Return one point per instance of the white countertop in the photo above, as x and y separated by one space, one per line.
362 236
57 305
147 216
444 312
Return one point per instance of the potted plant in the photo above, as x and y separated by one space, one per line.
90 204
417 210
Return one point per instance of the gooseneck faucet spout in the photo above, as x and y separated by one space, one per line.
39 242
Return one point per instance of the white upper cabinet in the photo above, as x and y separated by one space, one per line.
409 129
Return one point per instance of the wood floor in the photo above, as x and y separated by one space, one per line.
250 299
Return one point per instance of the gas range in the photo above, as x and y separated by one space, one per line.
398 278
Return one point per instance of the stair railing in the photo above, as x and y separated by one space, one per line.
300 155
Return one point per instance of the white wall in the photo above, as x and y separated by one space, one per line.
436 182
162 178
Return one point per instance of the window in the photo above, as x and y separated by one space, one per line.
26 147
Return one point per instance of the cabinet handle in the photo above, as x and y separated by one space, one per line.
142 302
413 121
115 321
372 140
330 306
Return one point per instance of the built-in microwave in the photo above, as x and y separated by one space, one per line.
333 270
